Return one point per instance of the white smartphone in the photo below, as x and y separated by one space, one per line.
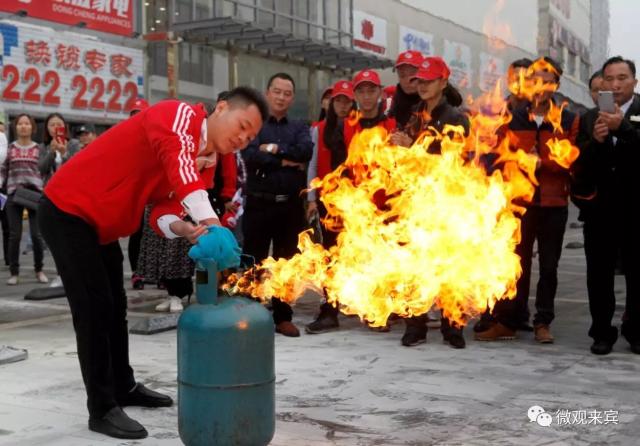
605 102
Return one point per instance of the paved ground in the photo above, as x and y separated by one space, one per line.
350 387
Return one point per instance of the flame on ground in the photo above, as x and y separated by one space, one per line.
415 229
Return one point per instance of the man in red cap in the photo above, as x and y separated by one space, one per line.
367 90
405 97
139 105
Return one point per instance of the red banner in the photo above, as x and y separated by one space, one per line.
110 16
44 71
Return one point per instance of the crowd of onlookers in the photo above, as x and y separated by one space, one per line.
25 167
259 193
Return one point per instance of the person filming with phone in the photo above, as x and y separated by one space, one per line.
605 189
58 147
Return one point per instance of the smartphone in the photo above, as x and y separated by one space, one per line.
61 134
605 102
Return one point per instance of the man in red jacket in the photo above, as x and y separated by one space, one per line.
100 196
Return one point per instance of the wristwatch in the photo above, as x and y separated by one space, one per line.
270 148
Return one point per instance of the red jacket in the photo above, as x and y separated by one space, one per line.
171 206
554 179
228 175
386 122
324 154
149 158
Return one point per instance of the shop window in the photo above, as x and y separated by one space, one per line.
571 64
585 71
156 15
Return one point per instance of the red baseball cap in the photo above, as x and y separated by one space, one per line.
389 91
139 105
344 88
327 91
410 57
432 67
366 76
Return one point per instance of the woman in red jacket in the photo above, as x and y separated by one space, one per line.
329 152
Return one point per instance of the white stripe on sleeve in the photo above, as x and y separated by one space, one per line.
180 126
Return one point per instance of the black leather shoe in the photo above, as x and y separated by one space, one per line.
414 336
326 321
601 348
635 348
141 396
455 340
117 424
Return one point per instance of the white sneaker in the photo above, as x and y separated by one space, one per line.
176 305
13 280
57 282
42 278
164 306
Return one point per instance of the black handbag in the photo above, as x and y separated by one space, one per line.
28 198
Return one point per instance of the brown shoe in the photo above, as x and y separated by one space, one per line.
286 328
543 334
497 332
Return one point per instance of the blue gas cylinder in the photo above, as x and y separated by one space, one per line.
226 368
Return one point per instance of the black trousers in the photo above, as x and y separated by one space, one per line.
265 222
14 215
92 277
547 226
606 236
329 239
133 248
446 326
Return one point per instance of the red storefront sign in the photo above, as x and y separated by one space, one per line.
369 32
110 16
45 70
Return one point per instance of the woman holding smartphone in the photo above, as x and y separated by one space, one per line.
58 148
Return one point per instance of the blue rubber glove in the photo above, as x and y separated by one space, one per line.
220 245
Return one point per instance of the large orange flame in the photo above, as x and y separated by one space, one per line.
415 228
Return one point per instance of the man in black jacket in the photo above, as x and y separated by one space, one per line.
406 97
605 187
276 175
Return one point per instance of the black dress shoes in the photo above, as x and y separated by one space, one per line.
141 396
455 340
117 424
601 348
